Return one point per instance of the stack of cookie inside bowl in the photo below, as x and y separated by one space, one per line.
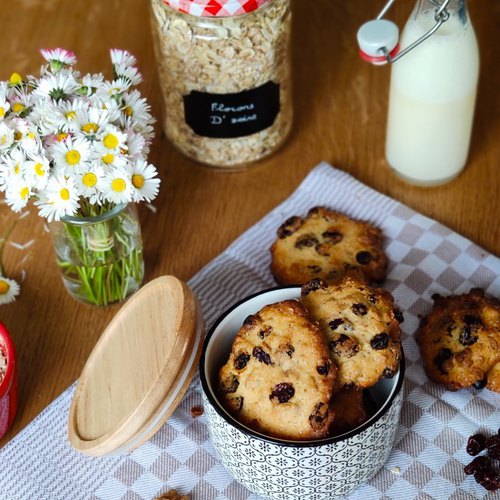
300 368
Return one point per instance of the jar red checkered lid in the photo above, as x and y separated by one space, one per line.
215 8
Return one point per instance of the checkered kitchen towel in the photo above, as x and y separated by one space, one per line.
429 453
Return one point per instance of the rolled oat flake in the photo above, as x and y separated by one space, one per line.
224 68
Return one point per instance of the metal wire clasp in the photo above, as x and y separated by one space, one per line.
441 15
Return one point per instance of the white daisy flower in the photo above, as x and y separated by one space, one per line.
13 166
58 87
9 290
122 58
117 186
20 102
26 135
88 184
108 158
114 88
90 121
37 171
136 108
18 193
4 106
90 83
58 58
113 139
71 155
59 199
106 103
66 114
144 181
46 117
129 73
136 145
6 136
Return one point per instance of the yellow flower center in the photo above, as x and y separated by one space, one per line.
24 192
39 170
70 115
118 185
64 194
110 141
138 181
17 107
128 110
31 135
73 157
17 169
109 158
18 135
89 179
90 128
62 136
4 287
3 139
2 111
15 79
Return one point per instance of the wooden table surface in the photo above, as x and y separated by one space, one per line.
340 114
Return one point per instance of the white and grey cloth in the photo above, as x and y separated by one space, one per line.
429 453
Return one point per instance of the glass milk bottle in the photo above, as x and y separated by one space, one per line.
432 95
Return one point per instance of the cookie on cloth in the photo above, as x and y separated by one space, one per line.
460 341
325 244
361 324
279 376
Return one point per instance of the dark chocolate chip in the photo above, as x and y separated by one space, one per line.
359 309
318 417
313 285
282 392
380 341
442 356
241 361
308 240
364 257
260 355
333 237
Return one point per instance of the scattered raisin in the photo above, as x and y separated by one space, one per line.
435 296
318 417
265 332
399 315
493 446
315 269
323 369
472 319
250 320
241 361
359 309
442 356
372 298
479 463
480 384
323 249
197 411
308 240
260 355
236 403
314 210
475 444
344 346
364 257
313 285
468 335
488 479
289 226
283 392
388 373
230 384
380 341
335 323
333 237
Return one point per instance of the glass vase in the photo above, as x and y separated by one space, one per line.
101 257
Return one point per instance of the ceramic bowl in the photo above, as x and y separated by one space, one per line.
283 469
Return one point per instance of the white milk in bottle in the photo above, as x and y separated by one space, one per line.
432 97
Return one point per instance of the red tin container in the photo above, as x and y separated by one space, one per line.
8 387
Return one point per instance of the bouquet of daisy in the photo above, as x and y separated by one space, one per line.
78 145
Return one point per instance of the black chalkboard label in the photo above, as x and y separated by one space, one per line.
232 115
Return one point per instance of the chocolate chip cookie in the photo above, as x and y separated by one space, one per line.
279 376
361 324
325 244
460 341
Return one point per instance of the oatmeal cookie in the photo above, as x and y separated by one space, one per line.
279 376
361 324
325 244
460 341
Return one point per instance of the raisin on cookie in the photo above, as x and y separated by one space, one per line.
361 324
279 376
325 244
460 341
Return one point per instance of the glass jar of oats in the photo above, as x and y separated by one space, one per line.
224 68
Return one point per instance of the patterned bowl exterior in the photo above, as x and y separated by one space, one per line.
318 472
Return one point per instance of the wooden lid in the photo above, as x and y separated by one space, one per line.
138 371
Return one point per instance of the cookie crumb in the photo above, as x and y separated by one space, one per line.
197 411
172 495
395 470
